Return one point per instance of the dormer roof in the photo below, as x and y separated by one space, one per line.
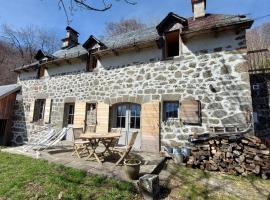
170 19
92 41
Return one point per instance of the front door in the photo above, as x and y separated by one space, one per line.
128 119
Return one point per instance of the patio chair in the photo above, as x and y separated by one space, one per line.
127 148
79 146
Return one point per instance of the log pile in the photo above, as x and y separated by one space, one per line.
234 154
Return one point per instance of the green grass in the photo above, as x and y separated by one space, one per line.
25 178
193 184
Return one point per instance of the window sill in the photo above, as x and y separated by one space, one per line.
175 58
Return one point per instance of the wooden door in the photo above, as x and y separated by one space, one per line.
150 126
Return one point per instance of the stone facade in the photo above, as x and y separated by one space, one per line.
216 76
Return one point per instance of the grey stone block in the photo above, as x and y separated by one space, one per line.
149 186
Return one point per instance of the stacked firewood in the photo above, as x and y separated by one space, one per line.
234 154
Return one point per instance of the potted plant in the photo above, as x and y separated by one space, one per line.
132 168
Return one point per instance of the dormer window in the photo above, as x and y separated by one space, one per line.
172 44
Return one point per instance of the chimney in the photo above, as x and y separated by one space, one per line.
71 39
198 8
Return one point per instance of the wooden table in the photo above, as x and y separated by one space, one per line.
108 140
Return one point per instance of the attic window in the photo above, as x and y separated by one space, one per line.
172 44
41 72
92 62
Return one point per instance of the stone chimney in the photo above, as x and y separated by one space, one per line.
198 8
71 38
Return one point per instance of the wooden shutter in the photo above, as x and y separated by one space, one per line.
150 126
79 115
102 118
31 111
47 111
190 112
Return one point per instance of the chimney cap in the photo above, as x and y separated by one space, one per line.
197 1
68 28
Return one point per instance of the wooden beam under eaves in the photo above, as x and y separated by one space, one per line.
115 52
68 61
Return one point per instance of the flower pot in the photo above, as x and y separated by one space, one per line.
132 168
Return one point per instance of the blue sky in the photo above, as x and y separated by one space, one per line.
45 13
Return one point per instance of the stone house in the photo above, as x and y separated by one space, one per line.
168 82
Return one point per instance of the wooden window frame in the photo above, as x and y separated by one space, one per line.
68 116
91 62
166 47
39 110
41 72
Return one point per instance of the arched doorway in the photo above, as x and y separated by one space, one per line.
127 118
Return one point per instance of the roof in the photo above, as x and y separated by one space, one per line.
126 39
6 90
170 18
214 21
150 34
68 28
70 52
41 54
92 40
190 25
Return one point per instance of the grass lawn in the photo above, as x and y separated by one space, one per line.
25 178
187 183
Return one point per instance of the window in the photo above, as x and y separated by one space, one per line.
121 116
69 114
41 72
39 110
91 117
92 62
171 110
135 113
172 44
128 115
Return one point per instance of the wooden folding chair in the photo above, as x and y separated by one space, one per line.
79 146
127 148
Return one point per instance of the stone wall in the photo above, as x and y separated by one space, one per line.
217 77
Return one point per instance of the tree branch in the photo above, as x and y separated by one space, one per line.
84 4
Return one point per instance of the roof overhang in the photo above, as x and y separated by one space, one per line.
62 61
52 62
132 47
10 90
237 26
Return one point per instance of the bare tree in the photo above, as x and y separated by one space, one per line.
19 46
123 26
259 37
70 6
9 58
29 39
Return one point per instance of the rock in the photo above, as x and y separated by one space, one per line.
149 186
170 136
207 74
225 69
218 49
161 78
192 65
213 106
242 67
219 113
178 74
